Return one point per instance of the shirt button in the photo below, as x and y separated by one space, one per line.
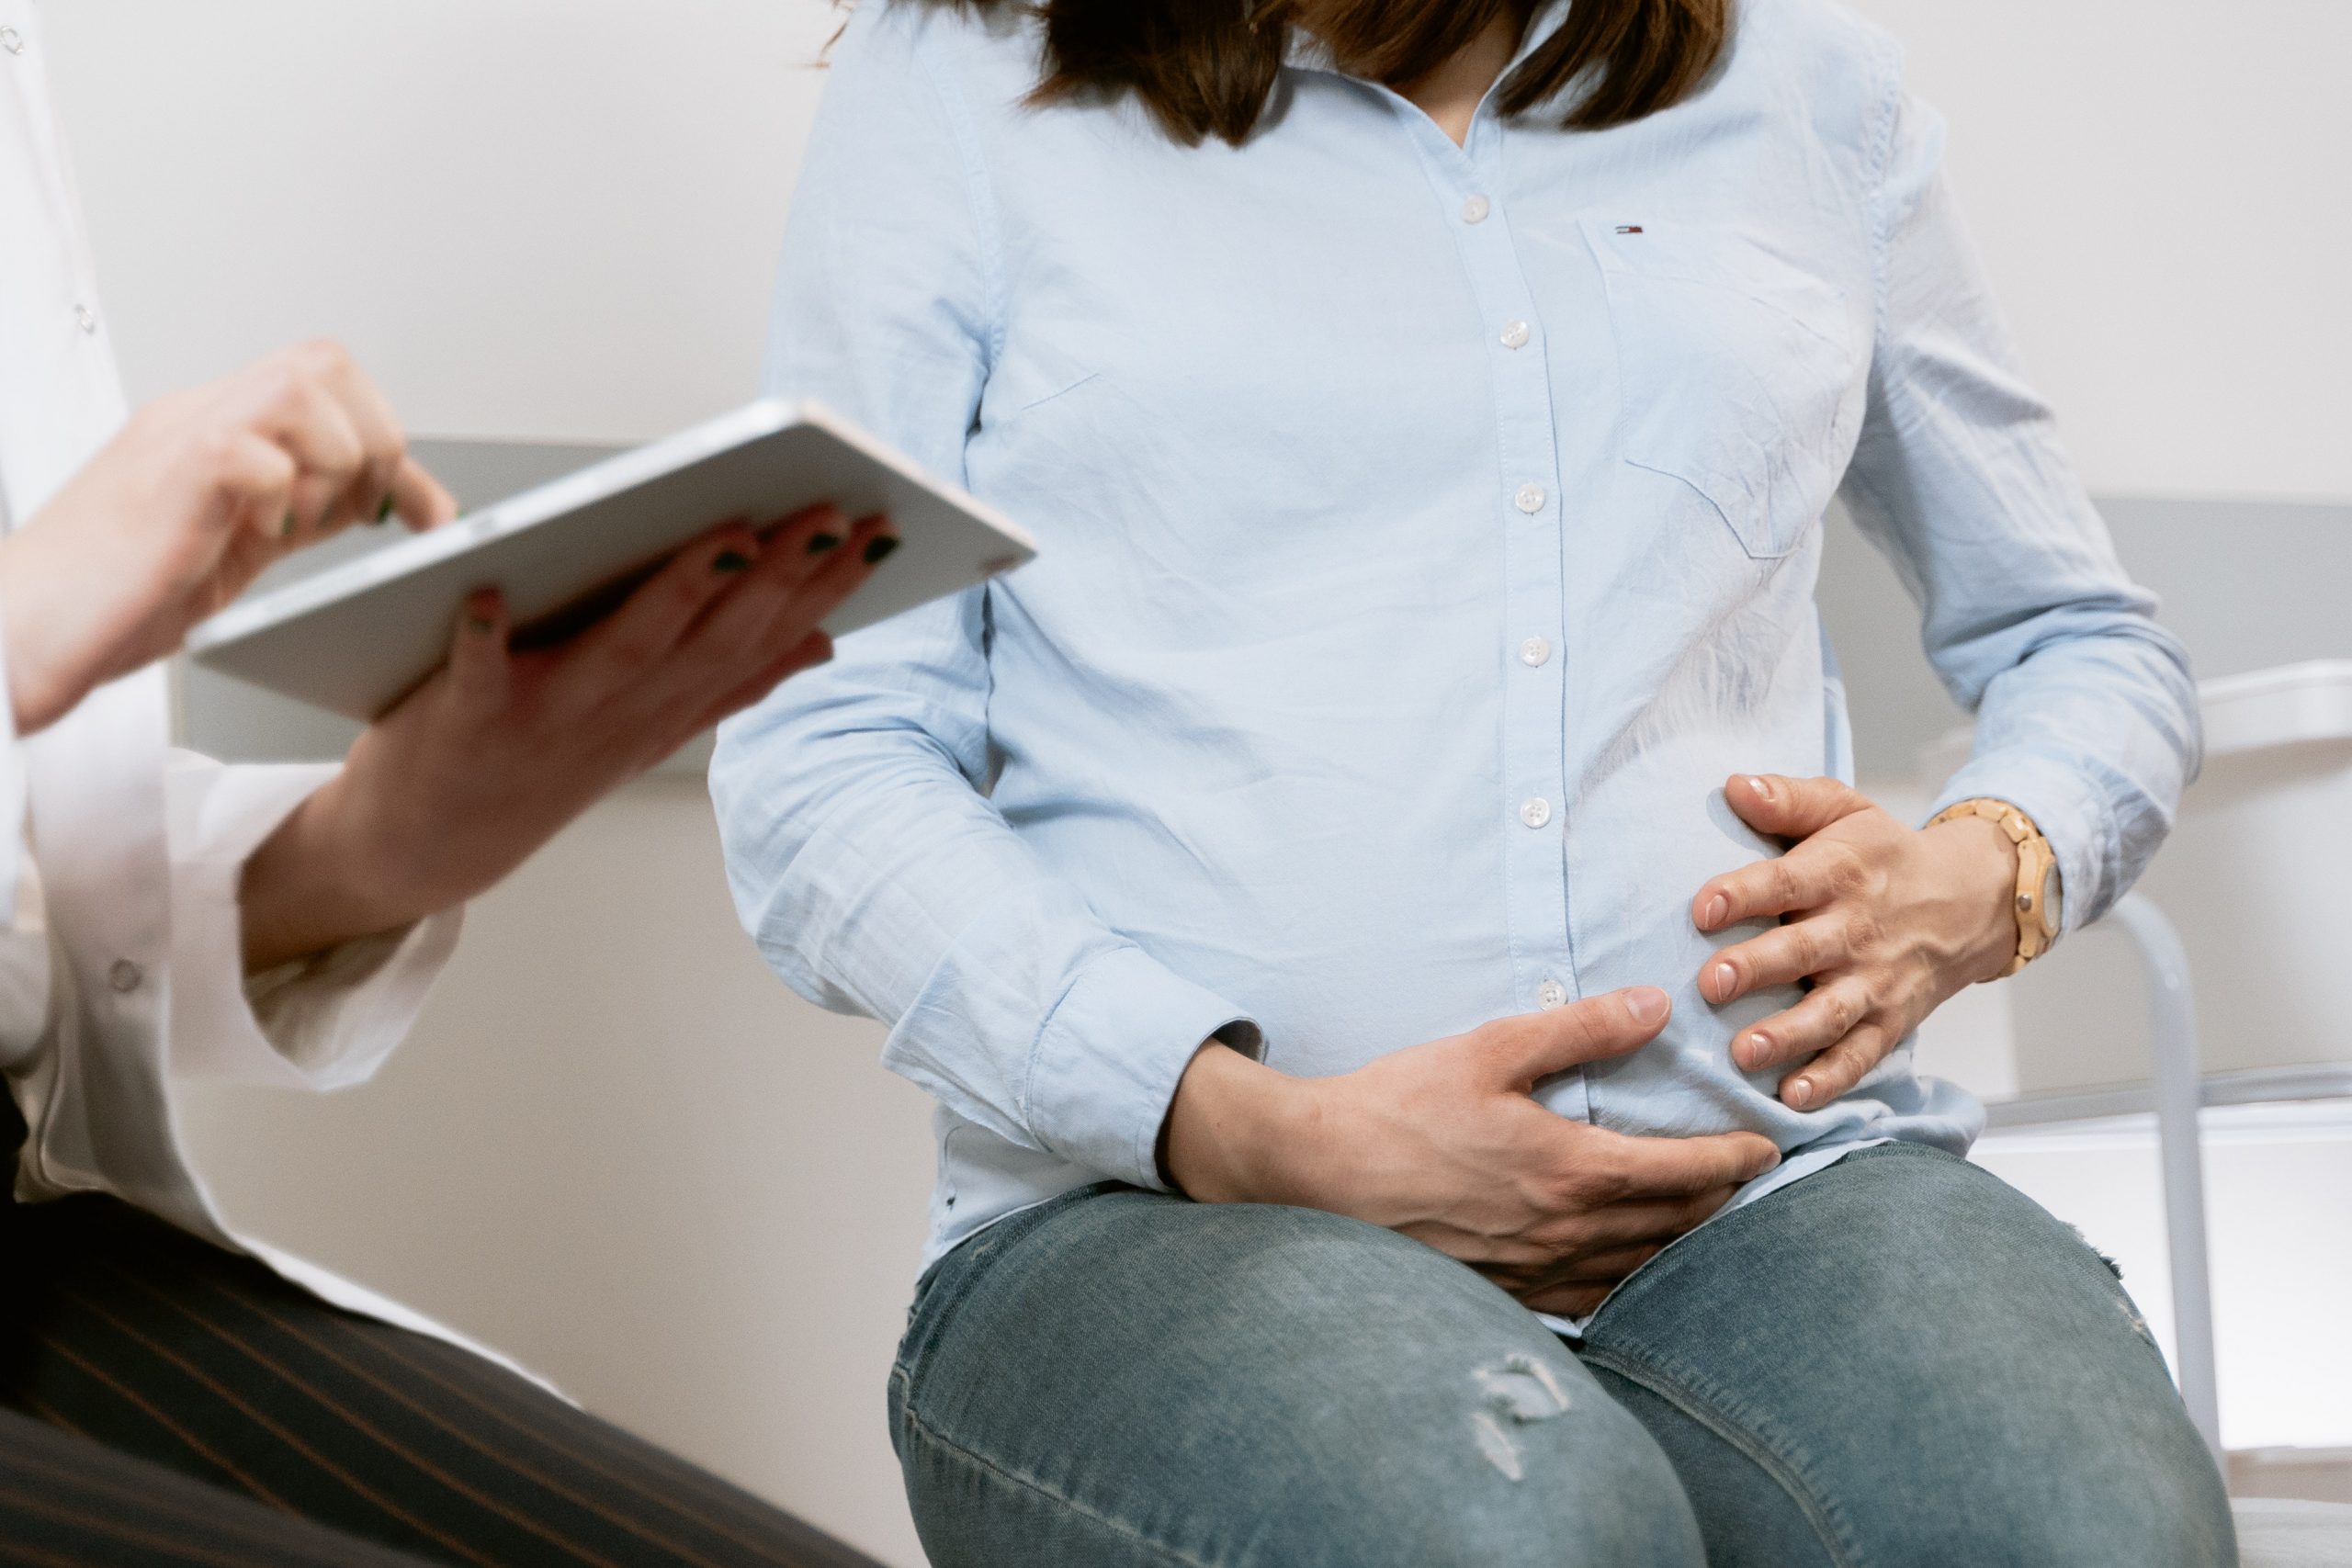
12 40
1534 652
1536 812
1474 211
126 976
85 319
1552 994
1516 336
1530 499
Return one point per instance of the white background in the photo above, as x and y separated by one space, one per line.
620 1149
555 218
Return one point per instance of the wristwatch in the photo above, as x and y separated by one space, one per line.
2041 901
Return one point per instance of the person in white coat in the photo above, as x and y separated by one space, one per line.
169 1391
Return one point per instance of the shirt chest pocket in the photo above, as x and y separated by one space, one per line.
1739 372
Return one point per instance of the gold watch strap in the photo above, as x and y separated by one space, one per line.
2034 858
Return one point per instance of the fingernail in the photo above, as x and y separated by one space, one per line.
384 509
1763 790
819 543
730 562
286 529
1725 978
1800 1092
480 624
1647 1005
1759 1050
879 547
1718 910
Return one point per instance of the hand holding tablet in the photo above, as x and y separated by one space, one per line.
518 665
356 637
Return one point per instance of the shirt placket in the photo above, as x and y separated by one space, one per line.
1531 809
59 393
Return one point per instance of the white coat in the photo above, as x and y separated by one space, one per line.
120 963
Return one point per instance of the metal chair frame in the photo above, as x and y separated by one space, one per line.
2178 1090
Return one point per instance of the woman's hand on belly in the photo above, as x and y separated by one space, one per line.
1445 1143
1886 922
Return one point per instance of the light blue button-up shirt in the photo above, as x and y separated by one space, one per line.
1427 531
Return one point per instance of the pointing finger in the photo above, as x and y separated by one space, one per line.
418 498
384 445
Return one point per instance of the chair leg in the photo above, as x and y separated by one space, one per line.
2178 1081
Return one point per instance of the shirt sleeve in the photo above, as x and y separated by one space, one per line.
324 1023
865 858
2087 715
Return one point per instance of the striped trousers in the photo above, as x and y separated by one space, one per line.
163 1402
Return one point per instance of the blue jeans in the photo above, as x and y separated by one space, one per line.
1897 1362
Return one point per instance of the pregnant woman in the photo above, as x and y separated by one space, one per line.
1421 1032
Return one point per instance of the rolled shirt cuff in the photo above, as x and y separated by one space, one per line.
2068 809
324 1023
12 791
1111 1054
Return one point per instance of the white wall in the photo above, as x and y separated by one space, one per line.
549 219
555 218
2159 187
616 1147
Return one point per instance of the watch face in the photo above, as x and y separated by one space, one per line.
2051 892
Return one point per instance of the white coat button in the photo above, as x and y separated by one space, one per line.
86 318
126 976
1535 653
1530 499
12 40
1552 994
1474 211
1536 812
1516 336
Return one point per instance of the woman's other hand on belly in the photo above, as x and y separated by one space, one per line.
1884 922
1444 1142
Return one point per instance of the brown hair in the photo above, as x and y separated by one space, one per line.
1207 67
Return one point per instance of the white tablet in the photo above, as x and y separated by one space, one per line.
354 638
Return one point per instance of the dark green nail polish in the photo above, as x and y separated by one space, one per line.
480 624
879 548
286 529
732 561
384 508
819 543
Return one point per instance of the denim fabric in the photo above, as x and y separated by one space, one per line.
1897 1363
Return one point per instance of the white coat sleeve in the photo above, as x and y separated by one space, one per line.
12 794
326 1023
